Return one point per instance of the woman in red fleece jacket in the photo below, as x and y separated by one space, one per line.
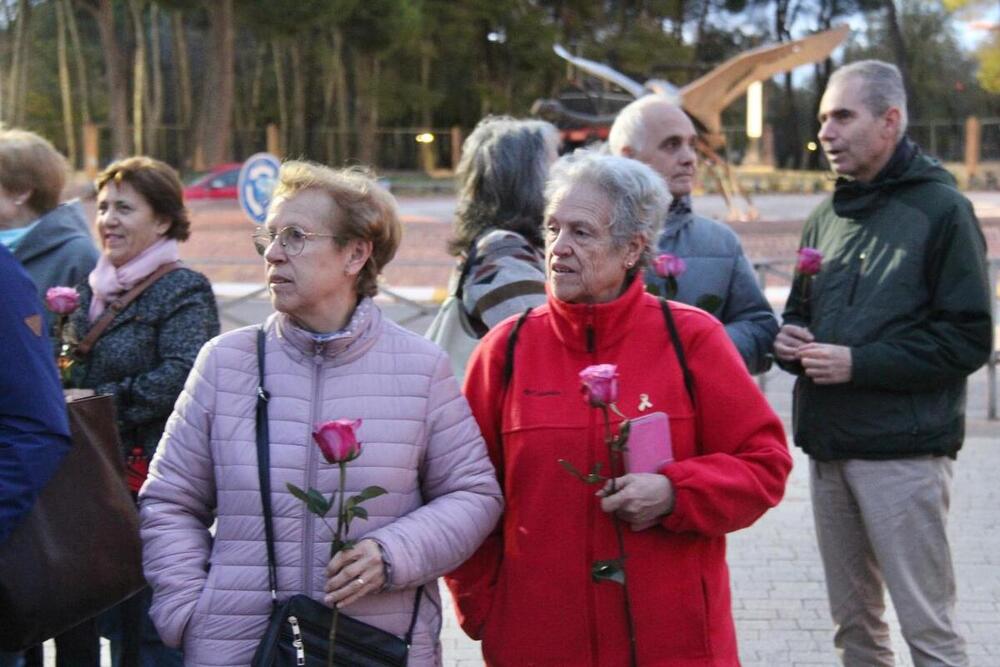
528 592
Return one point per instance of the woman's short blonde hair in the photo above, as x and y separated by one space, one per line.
29 162
369 211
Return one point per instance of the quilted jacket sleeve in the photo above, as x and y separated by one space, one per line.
178 503
189 319
744 460
462 498
472 584
750 321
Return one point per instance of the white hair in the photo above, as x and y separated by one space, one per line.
882 87
637 195
629 128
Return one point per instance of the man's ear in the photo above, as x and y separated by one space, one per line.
892 120
628 152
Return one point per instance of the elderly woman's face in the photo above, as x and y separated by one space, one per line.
126 223
581 261
310 276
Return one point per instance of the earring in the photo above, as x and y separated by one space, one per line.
629 264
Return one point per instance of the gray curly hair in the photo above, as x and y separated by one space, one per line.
637 194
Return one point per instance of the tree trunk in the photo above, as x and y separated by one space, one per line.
792 153
298 135
700 31
258 81
340 96
901 55
215 135
65 86
279 80
135 8
368 108
16 79
154 121
83 88
182 86
117 83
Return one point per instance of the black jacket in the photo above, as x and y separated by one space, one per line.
145 355
904 284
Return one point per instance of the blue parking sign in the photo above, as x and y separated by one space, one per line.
257 180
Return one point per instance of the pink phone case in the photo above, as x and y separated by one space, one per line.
649 447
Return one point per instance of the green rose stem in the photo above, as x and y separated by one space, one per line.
614 456
335 546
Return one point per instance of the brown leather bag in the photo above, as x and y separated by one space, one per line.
78 552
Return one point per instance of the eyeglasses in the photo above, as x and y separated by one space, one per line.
292 239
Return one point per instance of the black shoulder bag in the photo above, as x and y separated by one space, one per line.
299 628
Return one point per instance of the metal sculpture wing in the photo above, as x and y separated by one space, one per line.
706 97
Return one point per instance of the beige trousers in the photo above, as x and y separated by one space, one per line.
882 524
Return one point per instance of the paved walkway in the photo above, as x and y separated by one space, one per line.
779 595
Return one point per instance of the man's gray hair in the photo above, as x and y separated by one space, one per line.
629 128
501 179
882 87
637 195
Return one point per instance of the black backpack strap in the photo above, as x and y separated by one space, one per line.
508 363
264 468
474 320
678 348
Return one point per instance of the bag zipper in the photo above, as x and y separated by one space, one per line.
300 651
354 646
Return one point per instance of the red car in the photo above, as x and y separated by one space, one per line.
219 183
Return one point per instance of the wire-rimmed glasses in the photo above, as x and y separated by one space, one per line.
292 239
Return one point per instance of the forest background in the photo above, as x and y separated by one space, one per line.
195 82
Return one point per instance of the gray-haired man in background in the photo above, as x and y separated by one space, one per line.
659 133
882 339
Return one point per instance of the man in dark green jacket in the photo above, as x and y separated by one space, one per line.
883 337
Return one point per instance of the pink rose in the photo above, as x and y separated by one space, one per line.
669 266
600 384
338 440
810 261
62 300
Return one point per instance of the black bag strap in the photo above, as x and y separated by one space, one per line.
678 348
118 305
470 258
264 468
264 474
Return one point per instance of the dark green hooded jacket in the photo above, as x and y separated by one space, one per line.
904 284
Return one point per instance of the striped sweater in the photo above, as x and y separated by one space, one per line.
507 276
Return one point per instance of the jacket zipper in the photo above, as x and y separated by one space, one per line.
307 549
857 276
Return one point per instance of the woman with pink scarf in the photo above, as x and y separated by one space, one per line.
144 355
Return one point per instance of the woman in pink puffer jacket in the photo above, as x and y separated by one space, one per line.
330 354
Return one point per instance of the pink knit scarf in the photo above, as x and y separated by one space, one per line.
108 282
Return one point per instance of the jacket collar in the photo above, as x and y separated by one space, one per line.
590 327
348 344
679 216
852 199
